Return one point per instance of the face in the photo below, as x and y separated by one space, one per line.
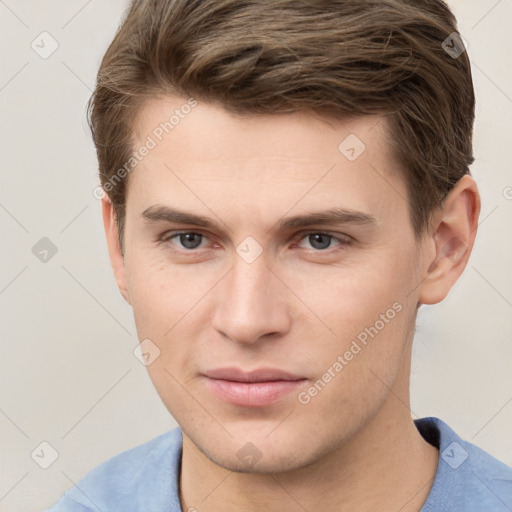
272 263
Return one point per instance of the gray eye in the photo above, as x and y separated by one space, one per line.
320 240
191 240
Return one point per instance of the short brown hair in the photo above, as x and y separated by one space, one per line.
334 57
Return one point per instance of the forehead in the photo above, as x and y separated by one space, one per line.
306 134
199 150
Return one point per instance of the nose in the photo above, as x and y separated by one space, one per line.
251 303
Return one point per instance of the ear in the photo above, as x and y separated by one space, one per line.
114 249
453 234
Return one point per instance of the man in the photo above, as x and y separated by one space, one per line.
286 183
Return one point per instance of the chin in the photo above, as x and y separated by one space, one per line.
263 462
257 452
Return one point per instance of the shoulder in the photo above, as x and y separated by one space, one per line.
144 476
467 478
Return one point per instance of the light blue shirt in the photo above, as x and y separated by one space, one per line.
145 478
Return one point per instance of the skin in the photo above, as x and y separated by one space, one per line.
297 307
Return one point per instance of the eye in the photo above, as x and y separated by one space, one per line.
322 241
188 240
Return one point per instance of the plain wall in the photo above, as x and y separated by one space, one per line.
68 375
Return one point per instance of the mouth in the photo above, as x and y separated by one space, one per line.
257 388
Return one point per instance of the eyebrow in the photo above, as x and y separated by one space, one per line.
331 217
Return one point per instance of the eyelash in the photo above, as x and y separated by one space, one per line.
343 242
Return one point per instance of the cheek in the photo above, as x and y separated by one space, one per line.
170 307
163 299
150 296
162 294
364 317
356 373
349 298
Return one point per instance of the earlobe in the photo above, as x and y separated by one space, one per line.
453 236
114 248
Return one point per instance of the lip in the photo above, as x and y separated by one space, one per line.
256 388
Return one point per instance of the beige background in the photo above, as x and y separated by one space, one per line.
67 372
